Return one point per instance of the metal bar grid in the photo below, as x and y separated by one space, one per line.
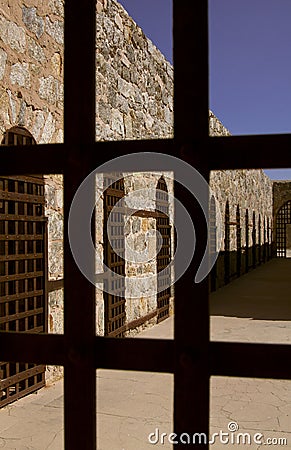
22 298
164 255
114 303
190 357
283 218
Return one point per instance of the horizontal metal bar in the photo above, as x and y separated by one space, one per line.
21 276
22 375
250 360
34 348
21 257
35 179
39 159
21 237
13 297
54 285
21 315
212 153
150 355
23 218
18 197
233 152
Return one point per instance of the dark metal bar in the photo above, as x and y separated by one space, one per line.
33 348
191 391
79 304
232 152
190 70
151 355
250 360
191 395
45 159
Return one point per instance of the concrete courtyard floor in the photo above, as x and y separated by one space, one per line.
131 405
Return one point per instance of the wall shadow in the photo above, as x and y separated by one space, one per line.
261 294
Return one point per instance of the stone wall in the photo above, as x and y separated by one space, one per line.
248 192
134 81
31 68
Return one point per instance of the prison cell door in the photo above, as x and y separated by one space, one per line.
23 300
164 254
282 230
114 301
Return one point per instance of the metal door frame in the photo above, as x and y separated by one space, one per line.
191 357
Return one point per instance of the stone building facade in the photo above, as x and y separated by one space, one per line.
134 100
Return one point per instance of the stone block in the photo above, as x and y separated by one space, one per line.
56 61
35 50
49 89
48 130
20 74
3 59
57 7
39 120
55 30
33 21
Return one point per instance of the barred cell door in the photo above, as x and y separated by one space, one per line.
282 220
23 302
114 284
23 273
164 254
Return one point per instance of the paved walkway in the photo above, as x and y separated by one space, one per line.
130 405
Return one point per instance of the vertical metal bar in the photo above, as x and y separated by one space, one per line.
190 70
79 294
191 393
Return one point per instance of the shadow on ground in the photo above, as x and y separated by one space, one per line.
262 294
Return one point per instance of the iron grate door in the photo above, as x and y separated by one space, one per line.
164 255
114 301
22 276
283 218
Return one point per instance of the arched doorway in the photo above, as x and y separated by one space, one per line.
23 269
283 231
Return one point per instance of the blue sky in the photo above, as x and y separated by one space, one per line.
250 60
